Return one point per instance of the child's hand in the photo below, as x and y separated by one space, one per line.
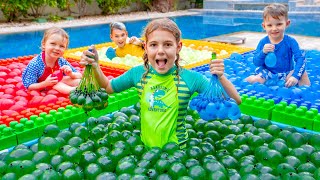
50 81
291 81
135 40
89 58
268 48
217 67
66 70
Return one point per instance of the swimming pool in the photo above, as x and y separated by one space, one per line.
203 25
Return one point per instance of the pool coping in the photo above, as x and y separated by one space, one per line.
253 11
135 16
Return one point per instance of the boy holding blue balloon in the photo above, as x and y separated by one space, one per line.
274 54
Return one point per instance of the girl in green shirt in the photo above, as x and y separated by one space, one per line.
164 86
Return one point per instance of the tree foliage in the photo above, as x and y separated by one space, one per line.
37 6
13 9
65 5
112 6
160 5
82 6
147 3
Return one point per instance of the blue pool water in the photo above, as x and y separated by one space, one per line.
199 26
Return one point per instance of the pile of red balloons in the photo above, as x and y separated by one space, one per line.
15 100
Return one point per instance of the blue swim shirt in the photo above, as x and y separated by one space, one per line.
288 53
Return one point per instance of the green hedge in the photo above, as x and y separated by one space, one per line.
14 10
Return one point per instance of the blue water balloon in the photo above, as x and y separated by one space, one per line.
111 53
222 113
234 112
192 105
204 115
211 107
270 60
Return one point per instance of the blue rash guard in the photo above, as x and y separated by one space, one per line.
284 51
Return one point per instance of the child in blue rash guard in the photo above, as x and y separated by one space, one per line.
275 21
164 86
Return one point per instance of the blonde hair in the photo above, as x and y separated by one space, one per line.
54 30
275 10
117 25
166 25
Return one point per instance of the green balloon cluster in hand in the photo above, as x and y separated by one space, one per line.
88 94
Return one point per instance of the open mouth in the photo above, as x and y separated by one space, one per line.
121 45
161 63
56 53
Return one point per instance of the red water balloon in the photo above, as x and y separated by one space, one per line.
50 98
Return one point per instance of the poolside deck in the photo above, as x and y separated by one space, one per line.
25 26
253 38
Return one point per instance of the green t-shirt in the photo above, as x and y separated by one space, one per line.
164 99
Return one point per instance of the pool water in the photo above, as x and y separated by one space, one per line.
198 26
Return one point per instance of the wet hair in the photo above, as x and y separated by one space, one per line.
54 30
117 25
275 10
166 25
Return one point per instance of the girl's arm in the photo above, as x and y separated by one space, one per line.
217 68
125 81
230 89
102 79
